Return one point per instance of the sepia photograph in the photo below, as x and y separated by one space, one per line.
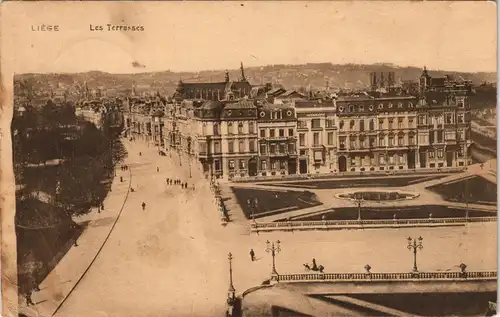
249 159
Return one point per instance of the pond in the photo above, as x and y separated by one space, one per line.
378 195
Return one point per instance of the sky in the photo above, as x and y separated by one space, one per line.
194 36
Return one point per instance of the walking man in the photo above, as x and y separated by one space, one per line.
121 179
252 255
140 153
143 206
157 169
102 206
28 298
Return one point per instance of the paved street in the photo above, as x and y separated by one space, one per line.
171 259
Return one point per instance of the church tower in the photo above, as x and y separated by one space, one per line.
243 78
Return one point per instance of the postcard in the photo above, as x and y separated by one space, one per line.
248 159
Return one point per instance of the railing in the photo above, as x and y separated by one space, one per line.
333 175
389 277
330 224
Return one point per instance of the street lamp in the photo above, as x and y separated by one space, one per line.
274 248
415 246
231 291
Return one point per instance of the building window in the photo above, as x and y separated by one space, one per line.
271 133
440 153
460 152
362 141
422 120
351 108
330 138
262 149
431 137
460 134
240 128
291 148
381 159
440 136
352 142
272 148
241 146
411 139
283 165
251 128
352 123
400 123
230 146
263 165
242 165
252 145
231 164
391 121
302 125
372 125
342 142
330 123
448 119
391 140
282 148
217 147
381 140
410 123
361 108
460 102
290 132
302 139
401 139
460 118
262 133
432 154
316 123
341 124
281 132
361 125
316 139
372 142
229 128
216 129
381 124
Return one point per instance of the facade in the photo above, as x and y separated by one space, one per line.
261 131
277 130
376 134
225 138
317 136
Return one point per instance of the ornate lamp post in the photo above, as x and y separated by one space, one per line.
231 291
273 248
415 246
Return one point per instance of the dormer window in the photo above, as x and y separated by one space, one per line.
380 106
351 108
361 108
390 105
410 105
400 105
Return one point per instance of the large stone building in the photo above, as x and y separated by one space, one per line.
376 134
317 135
277 139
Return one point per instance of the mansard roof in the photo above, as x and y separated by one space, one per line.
355 106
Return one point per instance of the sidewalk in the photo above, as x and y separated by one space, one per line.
70 270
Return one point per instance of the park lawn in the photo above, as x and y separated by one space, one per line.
481 190
409 212
273 202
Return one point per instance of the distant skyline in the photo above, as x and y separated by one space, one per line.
199 36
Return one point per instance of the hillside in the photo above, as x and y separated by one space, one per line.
291 76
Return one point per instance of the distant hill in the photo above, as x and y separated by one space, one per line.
354 76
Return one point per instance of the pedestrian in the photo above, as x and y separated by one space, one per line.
98 209
193 187
314 267
167 180
140 153
252 255
186 185
121 179
28 298
157 169
102 206
143 206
